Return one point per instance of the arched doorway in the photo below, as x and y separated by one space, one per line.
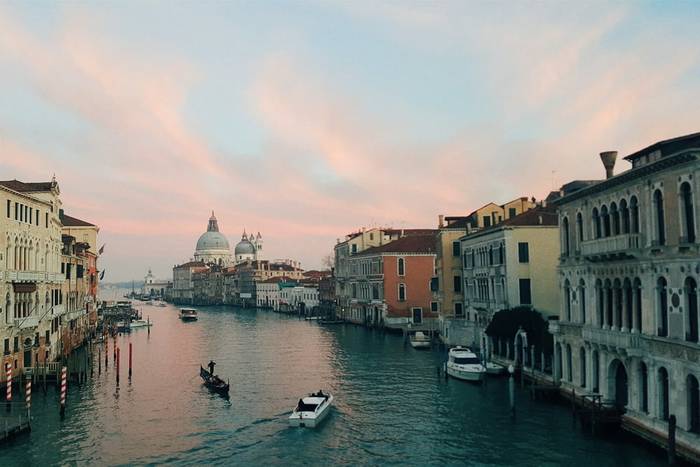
662 384
617 383
27 352
693 404
595 371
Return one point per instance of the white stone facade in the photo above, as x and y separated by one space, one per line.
628 272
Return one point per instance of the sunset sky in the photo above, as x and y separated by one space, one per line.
305 120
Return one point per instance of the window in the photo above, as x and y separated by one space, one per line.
511 212
691 310
459 310
597 231
687 214
523 252
16 211
434 307
579 227
353 288
79 271
662 384
643 388
402 292
9 205
434 284
525 294
582 301
660 227
63 268
31 215
662 307
371 236
457 283
47 220
6 349
353 248
15 347
634 215
401 266
417 315
565 237
567 300
487 222
455 249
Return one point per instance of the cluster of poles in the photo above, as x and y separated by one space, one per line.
64 377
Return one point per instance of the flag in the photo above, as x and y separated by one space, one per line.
102 248
102 274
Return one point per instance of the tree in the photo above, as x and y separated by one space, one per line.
328 261
505 325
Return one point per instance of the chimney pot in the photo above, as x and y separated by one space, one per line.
608 158
441 221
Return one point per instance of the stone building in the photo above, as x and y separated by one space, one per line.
183 285
153 287
212 246
628 272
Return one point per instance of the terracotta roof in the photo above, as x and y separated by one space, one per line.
424 243
70 221
275 280
535 216
669 146
410 231
23 187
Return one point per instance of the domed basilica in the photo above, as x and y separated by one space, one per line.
212 246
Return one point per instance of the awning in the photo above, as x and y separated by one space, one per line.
24 287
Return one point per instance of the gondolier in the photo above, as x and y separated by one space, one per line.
211 366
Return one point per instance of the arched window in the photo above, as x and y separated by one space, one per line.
628 299
599 302
401 267
624 217
643 387
565 236
597 231
634 215
606 220
637 304
659 222
579 229
595 370
582 300
662 384
582 367
691 310
693 390
662 306
617 317
615 219
609 303
569 364
567 300
687 214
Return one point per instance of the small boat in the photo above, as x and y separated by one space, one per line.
312 318
494 369
213 382
330 321
311 410
420 340
465 365
188 314
123 326
162 304
140 323
150 302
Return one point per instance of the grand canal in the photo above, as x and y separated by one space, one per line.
391 408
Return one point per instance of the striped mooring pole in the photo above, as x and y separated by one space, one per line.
64 387
8 372
28 396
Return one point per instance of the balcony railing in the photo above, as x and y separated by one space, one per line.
27 322
617 245
629 342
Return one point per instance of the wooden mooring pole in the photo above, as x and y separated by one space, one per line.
130 353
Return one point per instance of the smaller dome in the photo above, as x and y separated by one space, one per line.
244 247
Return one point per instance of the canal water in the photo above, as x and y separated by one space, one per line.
391 408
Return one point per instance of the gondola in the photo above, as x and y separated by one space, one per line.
213 382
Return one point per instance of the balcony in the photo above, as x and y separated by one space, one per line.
623 342
58 310
27 322
612 248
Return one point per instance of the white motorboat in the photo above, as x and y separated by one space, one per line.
162 304
311 410
420 341
188 314
495 368
140 323
465 365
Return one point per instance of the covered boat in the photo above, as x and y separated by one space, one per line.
465 365
311 410
419 340
213 382
188 314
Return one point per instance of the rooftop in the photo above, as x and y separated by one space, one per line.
24 187
424 243
70 221
669 146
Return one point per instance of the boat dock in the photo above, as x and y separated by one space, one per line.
13 426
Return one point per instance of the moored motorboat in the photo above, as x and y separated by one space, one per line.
162 304
188 314
420 340
465 365
141 323
213 382
123 326
311 410
495 369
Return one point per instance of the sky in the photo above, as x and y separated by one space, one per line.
306 120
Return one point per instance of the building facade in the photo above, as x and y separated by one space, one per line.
629 269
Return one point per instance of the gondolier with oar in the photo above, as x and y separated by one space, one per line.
211 366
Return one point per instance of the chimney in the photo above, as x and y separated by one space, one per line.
441 221
608 158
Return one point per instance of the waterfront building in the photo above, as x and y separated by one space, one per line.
302 298
44 310
156 288
183 285
212 246
491 213
628 273
268 291
208 285
509 265
389 285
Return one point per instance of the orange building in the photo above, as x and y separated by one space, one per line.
389 285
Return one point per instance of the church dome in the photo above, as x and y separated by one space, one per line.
212 239
244 247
